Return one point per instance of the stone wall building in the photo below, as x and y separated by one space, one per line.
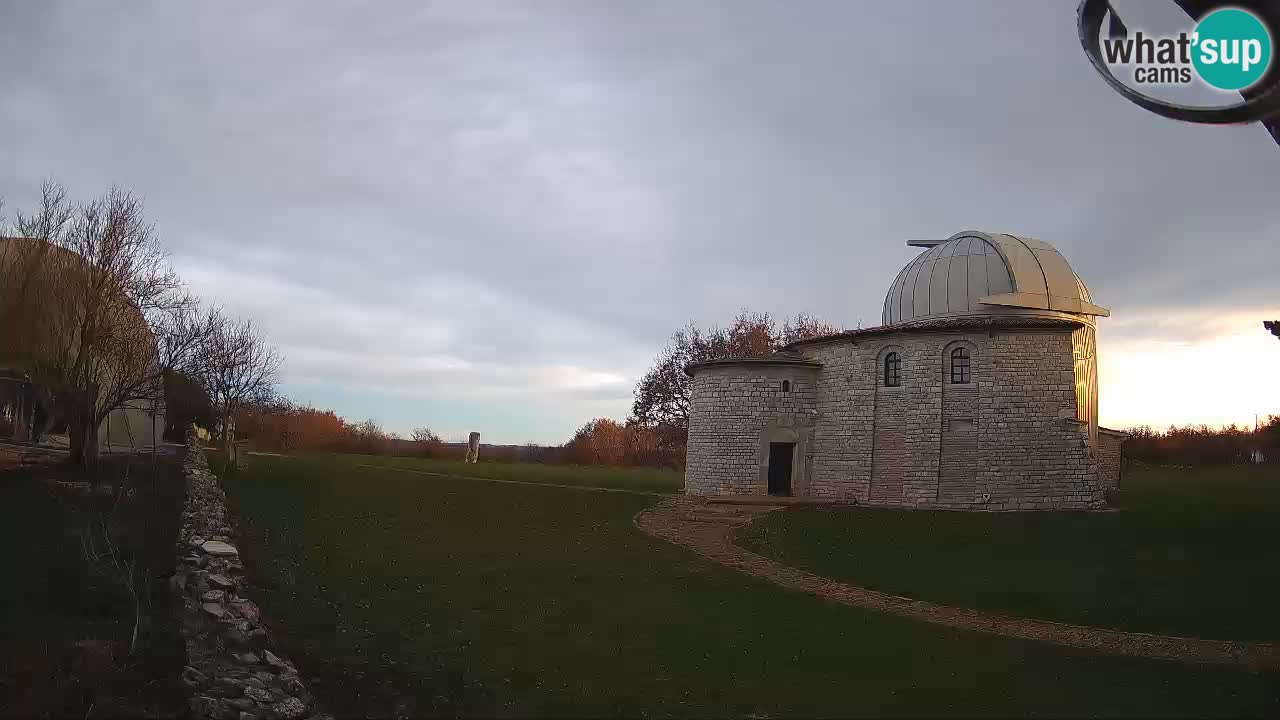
978 392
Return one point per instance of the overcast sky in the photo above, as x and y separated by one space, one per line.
490 216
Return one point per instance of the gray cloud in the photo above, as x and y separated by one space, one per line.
525 188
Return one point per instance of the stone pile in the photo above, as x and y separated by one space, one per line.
232 672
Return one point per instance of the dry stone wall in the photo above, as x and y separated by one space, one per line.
233 673
1008 440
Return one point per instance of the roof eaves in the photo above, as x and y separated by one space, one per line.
961 322
780 359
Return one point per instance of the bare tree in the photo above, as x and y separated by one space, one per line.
425 436
805 327
92 310
238 368
428 443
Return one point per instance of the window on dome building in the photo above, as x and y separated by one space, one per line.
892 370
961 367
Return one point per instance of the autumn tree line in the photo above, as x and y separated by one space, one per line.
1203 445
654 435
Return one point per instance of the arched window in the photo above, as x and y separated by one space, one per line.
961 368
892 370
786 386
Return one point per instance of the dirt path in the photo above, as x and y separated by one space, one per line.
708 529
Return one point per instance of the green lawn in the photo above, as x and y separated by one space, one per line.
1193 553
434 595
642 479
61 612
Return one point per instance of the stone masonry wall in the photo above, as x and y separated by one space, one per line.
842 447
1007 441
1110 457
958 455
232 673
731 412
1035 453
889 446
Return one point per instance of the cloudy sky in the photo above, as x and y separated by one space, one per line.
491 215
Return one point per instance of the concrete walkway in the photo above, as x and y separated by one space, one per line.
708 529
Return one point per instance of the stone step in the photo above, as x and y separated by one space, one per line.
773 501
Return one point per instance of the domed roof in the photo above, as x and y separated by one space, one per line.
979 273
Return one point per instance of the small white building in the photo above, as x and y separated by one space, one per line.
137 426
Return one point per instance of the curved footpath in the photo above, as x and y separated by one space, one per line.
708 528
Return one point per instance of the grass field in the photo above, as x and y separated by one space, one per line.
1193 553
67 624
642 479
433 595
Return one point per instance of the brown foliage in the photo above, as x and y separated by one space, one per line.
598 442
281 426
662 396
428 443
607 442
284 427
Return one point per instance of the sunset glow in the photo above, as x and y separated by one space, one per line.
1217 380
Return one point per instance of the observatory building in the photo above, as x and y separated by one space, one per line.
978 391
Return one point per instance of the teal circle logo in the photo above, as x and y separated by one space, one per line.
1232 49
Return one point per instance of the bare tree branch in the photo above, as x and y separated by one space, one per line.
237 367
91 308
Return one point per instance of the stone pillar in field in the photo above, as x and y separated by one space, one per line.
473 447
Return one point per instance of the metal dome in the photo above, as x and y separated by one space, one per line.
978 273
